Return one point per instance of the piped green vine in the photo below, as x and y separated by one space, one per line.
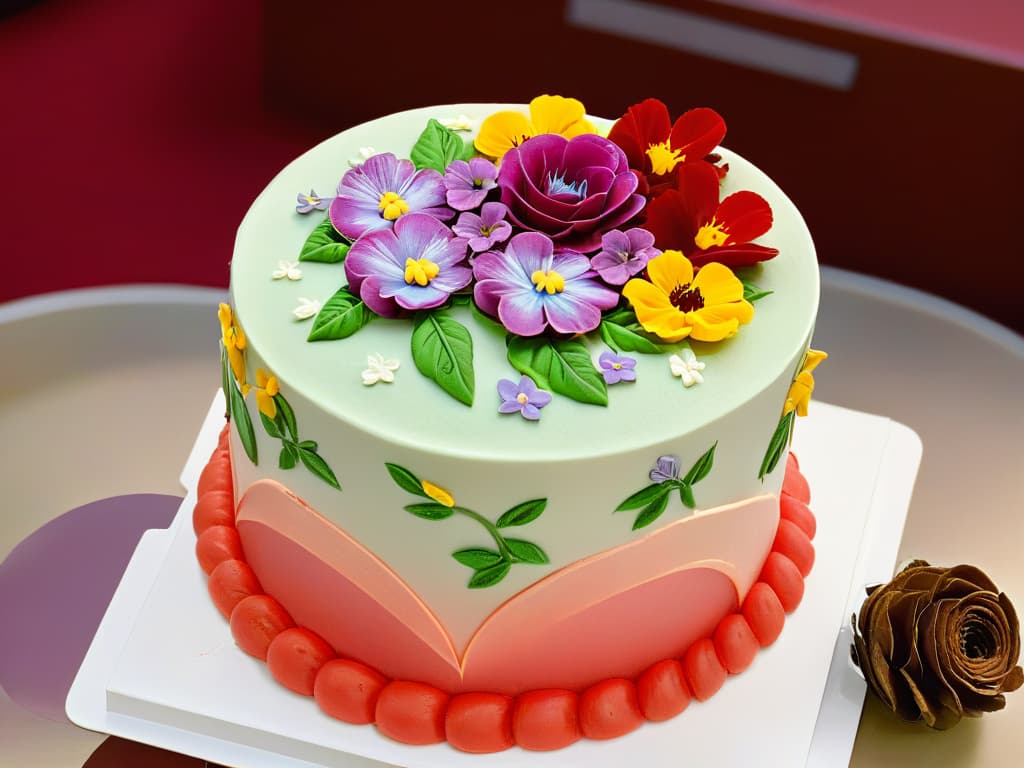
653 499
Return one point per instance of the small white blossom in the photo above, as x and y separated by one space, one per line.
379 370
307 308
365 153
460 123
289 269
687 368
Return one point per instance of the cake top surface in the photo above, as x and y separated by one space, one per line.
349 377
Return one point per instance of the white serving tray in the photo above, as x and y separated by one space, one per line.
164 670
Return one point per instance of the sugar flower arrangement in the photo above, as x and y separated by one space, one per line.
552 231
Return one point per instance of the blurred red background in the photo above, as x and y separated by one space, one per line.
136 134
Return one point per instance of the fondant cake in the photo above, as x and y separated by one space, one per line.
507 454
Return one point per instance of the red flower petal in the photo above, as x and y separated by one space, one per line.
643 124
669 222
697 132
733 256
744 215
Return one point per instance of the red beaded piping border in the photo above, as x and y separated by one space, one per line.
416 713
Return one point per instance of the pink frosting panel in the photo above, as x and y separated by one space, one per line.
611 614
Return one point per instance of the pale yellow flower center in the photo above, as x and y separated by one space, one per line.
420 271
663 157
710 234
391 206
522 399
549 281
437 493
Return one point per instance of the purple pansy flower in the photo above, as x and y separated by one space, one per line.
529 287
416 264
467 184
524 398
311 202
616 368
624 254
572 190
372 196
483 231
666 469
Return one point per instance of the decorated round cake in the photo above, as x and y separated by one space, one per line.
509 415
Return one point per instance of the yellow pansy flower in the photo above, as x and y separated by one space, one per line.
502 131
234 342
674 304
266 387
800 391
438 494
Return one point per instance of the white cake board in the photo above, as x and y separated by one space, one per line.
163 668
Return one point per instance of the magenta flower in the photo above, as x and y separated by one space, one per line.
572 190
616 368
529 287
416 264
467 184
311 202
483 231
524 398
624 254
372 196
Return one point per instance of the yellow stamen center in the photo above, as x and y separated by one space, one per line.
522 399
391 206
617 366
550 281
664 158
711 234
420 271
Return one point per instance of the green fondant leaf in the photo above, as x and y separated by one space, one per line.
289 456
620 317
316 465
436 147
477 557
701 468
622 339
342 315
430 510
225 380
645 496
752 293
777 445
243 423
284 410
406 480
686 496
485 318
526 552
309 445
325 244
488 577
652 511
560 365
468 150
521 514
443 351
270 426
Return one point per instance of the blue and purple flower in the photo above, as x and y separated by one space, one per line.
616 368
524 398
667 468
416 264
311 202
624 254
529 287
486 230
467 183
374 195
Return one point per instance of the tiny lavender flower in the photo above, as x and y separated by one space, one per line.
624 254
379 369
666 469
289 269
307 308
524 398
311 202
616 368
687 367
484 231
467 184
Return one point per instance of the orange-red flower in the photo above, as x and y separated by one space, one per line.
691 219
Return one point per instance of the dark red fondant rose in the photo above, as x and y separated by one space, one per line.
937 644
571 190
